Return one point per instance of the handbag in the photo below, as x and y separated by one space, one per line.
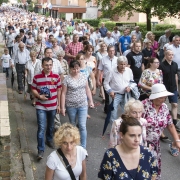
39 52
68 166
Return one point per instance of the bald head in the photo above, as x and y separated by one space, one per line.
21 46
169 55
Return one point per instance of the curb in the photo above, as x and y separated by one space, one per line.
23 142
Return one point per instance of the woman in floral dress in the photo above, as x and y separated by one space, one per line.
151 75
39 48
158 118
128 160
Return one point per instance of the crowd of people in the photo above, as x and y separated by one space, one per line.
63 62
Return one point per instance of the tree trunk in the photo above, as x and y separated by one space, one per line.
148 19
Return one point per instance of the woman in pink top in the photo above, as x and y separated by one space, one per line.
154 46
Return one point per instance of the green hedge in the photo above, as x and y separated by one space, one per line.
163 27
110 25
160 33
92 22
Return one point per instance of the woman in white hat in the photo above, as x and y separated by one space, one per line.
158 118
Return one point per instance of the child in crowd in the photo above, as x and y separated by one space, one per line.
5 62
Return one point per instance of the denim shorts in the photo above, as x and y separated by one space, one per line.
174 98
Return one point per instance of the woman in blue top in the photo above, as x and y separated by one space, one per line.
129 160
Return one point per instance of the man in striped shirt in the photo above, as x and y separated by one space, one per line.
47 104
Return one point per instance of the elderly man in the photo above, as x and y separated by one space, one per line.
161 42
103 30
108 39
175 48
106 64
73 48
117 83
170 79
60 37
137 33
20 58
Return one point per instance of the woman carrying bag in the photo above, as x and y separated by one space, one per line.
69 161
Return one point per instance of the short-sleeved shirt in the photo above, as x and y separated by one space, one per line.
52 82
103 31
74 48
137 34
5 60
163 40
112 166
156 122
169 75
135 61
60 173
176 53
125 42
107 64
146 53
76 91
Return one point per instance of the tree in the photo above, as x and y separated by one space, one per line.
160 8
3 1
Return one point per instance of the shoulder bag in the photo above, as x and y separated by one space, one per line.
67 165
39 52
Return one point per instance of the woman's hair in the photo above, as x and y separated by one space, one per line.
148 33
128 121
102 43
61 53
74 63
150 61
133 103
33 53
54 40
46 29
88 47
39 37
29 33
66 130
115 28
78 56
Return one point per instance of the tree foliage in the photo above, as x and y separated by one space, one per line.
160 8
3 1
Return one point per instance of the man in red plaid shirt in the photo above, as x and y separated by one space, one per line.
73 48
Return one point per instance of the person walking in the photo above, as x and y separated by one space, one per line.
20 59
46 87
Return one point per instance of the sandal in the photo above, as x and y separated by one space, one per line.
174 151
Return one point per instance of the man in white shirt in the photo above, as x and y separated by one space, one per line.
54 32
20 59
175 48
97 35
10 41
117 83
108 39
105 65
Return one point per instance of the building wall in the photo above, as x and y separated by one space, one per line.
82 3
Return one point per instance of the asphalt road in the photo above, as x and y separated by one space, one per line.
96 145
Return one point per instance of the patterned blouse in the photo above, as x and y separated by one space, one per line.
115 136
150 78
113 168
76 91
39 50
156 122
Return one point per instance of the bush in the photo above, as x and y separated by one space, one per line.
160 33
91 22
110 25
142 27
163 27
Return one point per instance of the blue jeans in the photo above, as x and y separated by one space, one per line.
81 113
118 100
45 121
6 70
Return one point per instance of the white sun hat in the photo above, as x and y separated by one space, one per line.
159 90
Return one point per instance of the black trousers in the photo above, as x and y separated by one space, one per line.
20 69
10 51
106 98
